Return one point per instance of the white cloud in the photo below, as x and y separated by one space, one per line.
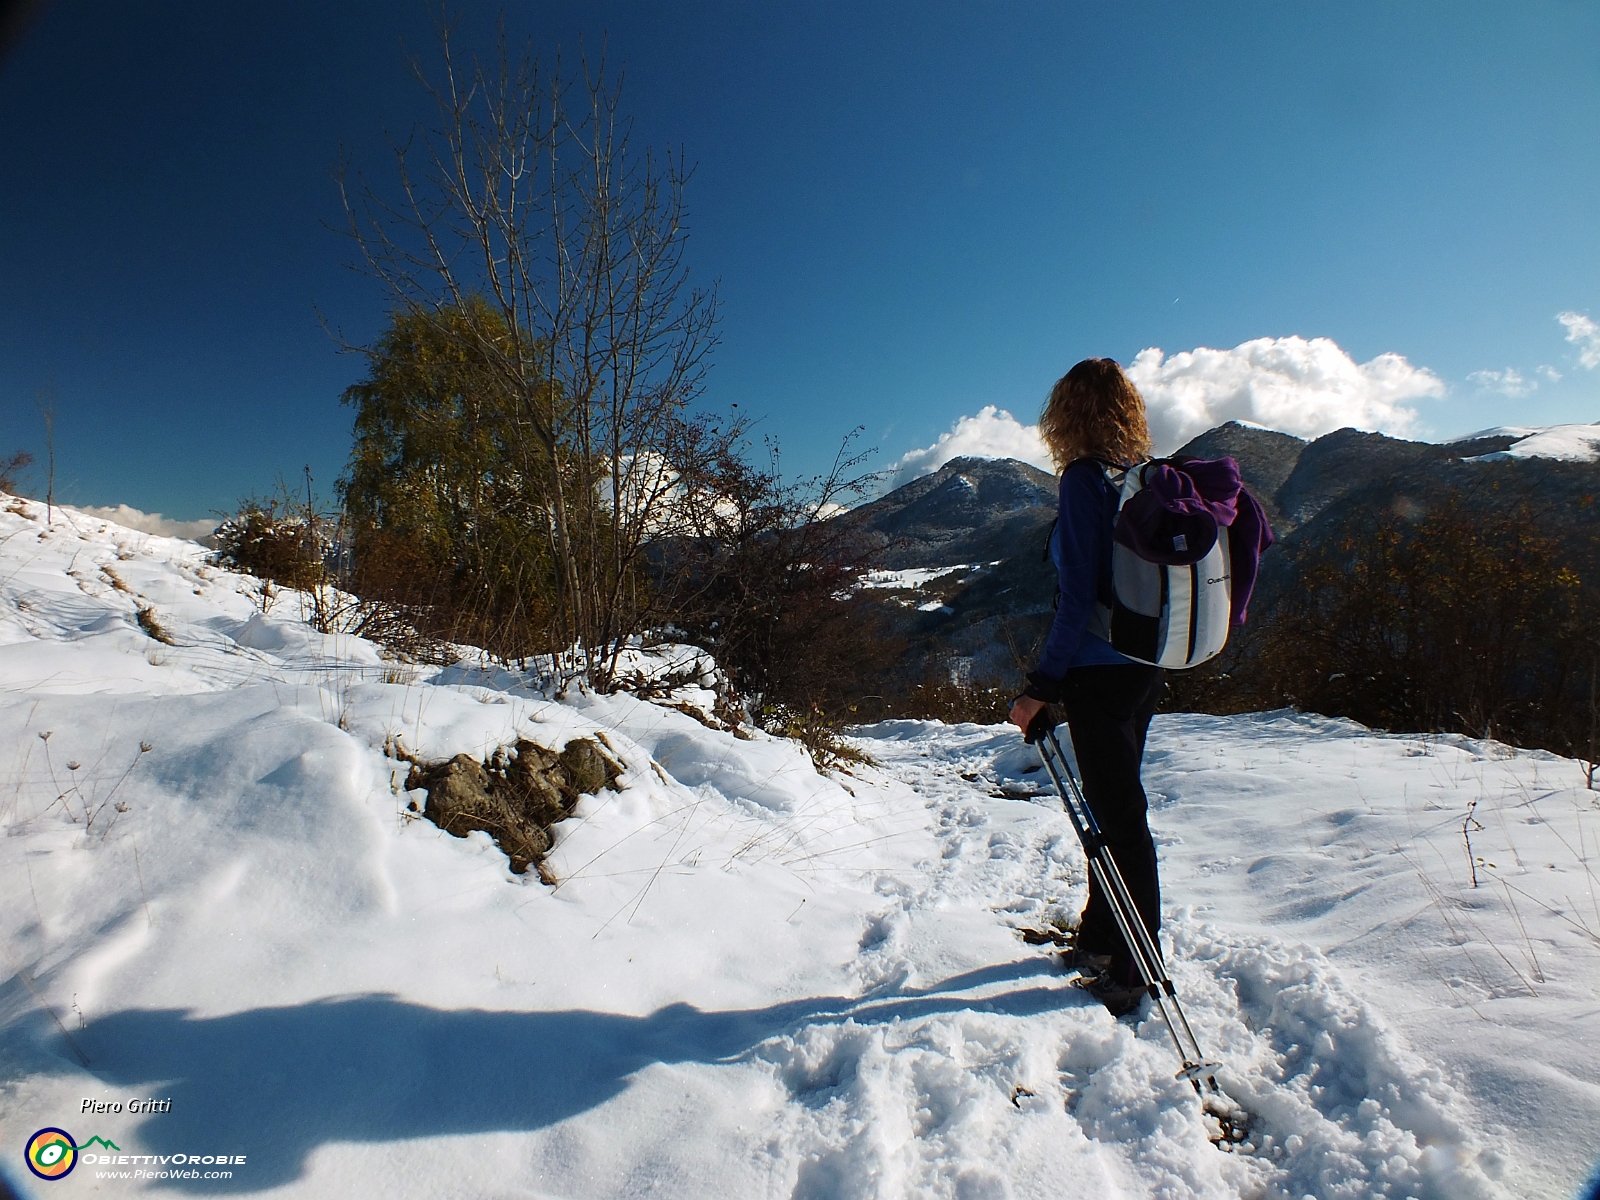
1585 335
1302 387
1508 382
154 523
1549 372
993 433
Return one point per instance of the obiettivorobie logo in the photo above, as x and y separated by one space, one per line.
52 1153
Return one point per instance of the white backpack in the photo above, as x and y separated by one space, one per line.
1167 616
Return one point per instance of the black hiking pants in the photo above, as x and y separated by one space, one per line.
1108 711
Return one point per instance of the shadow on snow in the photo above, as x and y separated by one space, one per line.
276 1083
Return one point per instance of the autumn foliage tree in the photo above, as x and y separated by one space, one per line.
441 523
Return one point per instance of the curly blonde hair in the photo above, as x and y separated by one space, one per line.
1094 411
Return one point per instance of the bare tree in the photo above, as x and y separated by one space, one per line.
524 203
45 401
768 584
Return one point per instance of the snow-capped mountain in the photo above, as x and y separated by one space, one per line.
970 510
1568 443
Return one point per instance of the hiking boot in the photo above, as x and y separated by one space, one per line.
1085 959
1085 962
1120 999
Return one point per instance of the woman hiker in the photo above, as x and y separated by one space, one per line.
1096 416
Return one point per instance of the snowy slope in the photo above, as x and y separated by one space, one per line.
752 979
1569 443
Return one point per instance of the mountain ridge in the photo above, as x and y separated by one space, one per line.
993 514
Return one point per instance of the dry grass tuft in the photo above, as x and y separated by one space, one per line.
153 627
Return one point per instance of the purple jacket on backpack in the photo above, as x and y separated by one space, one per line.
1175 519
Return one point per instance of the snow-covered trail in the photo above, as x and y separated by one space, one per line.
1342 1107
753 980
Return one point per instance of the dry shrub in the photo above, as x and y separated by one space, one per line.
820 733
11 468
273 540
938 697
418 598
769 588
1468 618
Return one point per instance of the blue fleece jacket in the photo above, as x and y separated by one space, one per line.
1081 548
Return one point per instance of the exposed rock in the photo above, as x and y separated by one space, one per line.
529 776
459 787
585 767
463 796
515 798
530 756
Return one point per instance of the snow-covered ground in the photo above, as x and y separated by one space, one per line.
916 578
752 980
914 581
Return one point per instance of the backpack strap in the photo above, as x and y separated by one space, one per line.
1117 476
1044 556
1117 473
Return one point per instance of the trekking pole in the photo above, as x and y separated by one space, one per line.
1146 953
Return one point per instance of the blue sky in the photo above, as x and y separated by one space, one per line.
912 211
